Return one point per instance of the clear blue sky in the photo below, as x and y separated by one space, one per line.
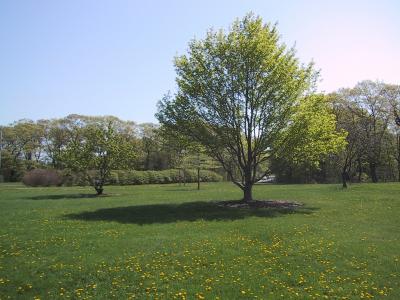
115 57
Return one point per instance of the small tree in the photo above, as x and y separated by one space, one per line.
150 144
195 158
245 97
347 119
369 101
99 148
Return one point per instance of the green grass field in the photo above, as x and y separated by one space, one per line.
173 242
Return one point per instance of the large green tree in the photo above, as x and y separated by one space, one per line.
246 98
96 149
370 102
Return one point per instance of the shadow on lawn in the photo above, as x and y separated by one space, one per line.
63 196
190 211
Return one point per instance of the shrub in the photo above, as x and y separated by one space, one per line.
67 177
114 178
210 176
70 178
165 176
42 177
174 175
126 177
364 177
123 178
138 177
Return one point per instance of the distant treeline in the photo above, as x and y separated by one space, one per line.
46 144
366 112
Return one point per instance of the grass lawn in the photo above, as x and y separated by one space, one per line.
173 242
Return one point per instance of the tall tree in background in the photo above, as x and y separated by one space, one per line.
372 107
150 144
23 149
347 119
245 97
392 93
56 133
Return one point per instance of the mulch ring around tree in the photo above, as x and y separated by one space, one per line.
259 204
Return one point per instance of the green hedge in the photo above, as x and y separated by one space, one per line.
124 177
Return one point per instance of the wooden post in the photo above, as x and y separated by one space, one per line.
198 170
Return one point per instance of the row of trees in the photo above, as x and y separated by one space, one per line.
92 145
368 114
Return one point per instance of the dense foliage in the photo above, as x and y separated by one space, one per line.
99 147
247 99
106 149
367 113
134 177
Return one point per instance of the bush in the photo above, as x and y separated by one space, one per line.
42 177
138 177
364 177
67 177
114 178
127 177
209 176
123 177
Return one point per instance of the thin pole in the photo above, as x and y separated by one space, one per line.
198 170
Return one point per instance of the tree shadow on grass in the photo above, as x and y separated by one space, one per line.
64 196
190 211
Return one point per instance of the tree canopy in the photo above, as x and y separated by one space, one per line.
246 98
98 147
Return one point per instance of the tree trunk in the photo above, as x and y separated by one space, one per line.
98 186
99 190
344 180
359 169
374 177
247 190
198 170
398 170
147 161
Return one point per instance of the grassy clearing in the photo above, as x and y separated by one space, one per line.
172 242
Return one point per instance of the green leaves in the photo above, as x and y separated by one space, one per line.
245 97
311 134
100 147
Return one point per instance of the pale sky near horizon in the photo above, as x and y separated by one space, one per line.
115 57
